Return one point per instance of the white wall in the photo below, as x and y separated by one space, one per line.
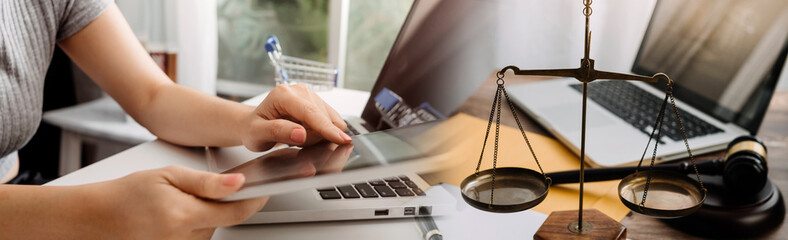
550 34
187 27
153 21
197 44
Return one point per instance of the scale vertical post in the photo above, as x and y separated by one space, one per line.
582 159
596 225
586 58
587 13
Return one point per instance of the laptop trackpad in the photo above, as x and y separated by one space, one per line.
567 117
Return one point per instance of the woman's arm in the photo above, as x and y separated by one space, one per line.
107 50
167 203
172 202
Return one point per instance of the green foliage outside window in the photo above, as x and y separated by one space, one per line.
244 26
302 27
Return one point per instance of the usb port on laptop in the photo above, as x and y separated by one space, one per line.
410 211
382 212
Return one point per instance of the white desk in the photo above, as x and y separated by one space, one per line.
157 154
99 121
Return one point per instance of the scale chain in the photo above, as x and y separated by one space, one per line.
587 11
658 129
497 134
516 119
658 126
651 136
684 136
487 133
496 112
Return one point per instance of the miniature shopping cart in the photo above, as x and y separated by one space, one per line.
292 70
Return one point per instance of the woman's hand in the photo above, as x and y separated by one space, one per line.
293 115
169 203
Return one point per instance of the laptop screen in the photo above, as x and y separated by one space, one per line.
725 56
437 61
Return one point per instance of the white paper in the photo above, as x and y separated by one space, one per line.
471 223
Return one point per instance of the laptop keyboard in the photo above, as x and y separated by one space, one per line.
640 109
400 186
351 131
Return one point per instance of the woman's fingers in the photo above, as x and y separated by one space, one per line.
336 119
205 233
211 214
264 134
297 102
203 184
223 214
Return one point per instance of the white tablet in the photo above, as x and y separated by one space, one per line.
419 149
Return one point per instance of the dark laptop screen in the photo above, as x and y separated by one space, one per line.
725 56
440 57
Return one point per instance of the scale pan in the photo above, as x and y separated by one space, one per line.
670 195
516 189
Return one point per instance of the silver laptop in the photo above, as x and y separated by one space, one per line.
306 183
725 68
428 73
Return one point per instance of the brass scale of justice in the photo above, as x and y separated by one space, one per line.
653 193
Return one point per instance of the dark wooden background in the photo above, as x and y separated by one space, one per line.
774 133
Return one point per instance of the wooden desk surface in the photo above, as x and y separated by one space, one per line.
773 131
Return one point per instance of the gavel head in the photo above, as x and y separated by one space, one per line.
745 170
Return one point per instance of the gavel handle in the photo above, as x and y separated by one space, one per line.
710 167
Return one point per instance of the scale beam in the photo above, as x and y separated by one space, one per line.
586 73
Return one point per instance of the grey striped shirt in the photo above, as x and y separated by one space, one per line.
29 30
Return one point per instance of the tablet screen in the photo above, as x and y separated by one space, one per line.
368 150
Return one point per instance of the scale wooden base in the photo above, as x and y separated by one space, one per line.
596 225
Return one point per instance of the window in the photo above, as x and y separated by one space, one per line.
243 27
303 28
372 29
